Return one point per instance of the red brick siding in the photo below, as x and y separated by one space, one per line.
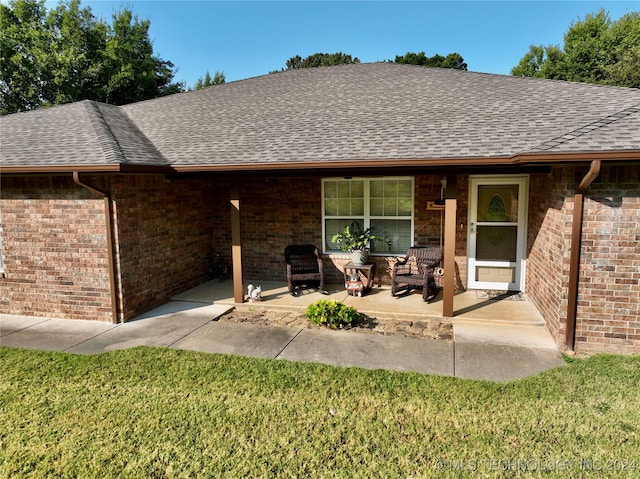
548 245
54 250
608 316
609 292
164 240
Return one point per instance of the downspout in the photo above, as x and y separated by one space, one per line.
574 259
109 226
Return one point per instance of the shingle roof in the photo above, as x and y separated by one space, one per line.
79 134
350 113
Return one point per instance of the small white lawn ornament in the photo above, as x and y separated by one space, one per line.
254 293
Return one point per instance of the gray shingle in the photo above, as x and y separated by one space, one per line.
371 112
378 111
79 134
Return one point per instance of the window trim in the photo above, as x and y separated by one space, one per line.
367 210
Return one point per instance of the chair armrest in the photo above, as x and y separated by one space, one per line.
401 267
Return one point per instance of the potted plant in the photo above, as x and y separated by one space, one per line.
356 240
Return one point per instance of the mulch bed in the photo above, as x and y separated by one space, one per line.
426 329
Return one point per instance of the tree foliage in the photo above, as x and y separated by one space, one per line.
452 60
218 79
595 50
66 55
319 60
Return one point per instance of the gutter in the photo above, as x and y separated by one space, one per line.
517 160
574 258
109 226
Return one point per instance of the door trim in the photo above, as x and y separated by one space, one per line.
521 244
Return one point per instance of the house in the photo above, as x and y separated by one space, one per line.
530 185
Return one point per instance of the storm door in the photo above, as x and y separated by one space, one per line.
497 232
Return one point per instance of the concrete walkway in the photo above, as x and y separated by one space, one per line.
492 351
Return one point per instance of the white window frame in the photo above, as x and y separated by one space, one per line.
367 210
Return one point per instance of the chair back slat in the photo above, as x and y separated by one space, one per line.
420 256
302 258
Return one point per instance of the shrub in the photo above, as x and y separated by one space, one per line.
331 313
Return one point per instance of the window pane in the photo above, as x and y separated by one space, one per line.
344 207
330 189
375 189
498 203
405 207
390 188
377 208
357 189
497 243
344 189
357 207
404 189
330 206
397 231
333 226
390 206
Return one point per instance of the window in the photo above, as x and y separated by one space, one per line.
383 204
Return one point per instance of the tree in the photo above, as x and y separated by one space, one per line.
66 55
595 50
452 60
319 60
218 79
23 52
541 62
74 59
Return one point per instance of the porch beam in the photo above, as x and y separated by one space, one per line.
236 246
449 265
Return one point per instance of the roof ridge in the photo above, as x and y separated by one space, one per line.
586 129
108 141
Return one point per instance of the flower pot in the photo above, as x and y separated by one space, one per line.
359 257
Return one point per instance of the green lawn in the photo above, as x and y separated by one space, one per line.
152 412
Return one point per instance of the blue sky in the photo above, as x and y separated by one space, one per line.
251 38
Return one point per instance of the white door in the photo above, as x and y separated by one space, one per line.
497 232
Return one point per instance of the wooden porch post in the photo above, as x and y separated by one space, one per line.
236 246
449 247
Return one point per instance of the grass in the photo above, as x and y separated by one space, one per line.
153 412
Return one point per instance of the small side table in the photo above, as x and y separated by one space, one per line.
367 274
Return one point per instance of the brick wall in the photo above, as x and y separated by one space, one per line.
609 292
608 316
54 250
164 242
548 246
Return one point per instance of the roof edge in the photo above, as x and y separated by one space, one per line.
521 159
108 168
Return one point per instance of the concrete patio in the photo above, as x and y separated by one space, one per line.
379 302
